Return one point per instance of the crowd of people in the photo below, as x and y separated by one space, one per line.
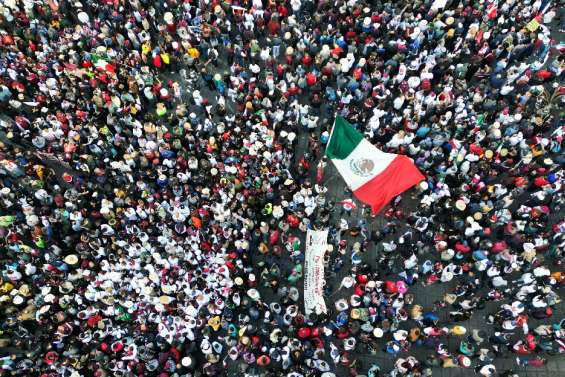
161 162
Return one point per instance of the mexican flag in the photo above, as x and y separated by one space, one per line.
102 64
375 177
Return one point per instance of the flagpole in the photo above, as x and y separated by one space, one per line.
331 133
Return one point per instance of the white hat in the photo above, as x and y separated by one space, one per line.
347 282
168 17
355 300
160 307
44 309
414 82
51 82
400 335
341 305
447 254
446 276
349 344
32 220
292 310
71 259
186 361
548 161
83 17
253 294
378 332
294 294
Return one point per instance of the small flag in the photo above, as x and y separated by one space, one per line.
533 25
375 177
348 204
103 65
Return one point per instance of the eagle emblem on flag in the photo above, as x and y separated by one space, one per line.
362 167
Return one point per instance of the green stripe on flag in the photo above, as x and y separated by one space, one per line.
343 140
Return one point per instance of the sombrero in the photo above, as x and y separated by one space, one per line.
378 333
341 305
355 313
71 259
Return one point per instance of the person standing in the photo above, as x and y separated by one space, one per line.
320 170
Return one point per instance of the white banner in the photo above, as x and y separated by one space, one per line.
316 246
438 4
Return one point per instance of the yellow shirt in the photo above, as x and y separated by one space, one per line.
194 53
458 330
145 48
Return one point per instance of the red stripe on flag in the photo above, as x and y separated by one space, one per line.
399 176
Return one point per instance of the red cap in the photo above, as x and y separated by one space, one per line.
51 357
304 332
315 332
263 360
359 289
362 278
117 347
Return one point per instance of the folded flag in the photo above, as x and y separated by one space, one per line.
375 177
